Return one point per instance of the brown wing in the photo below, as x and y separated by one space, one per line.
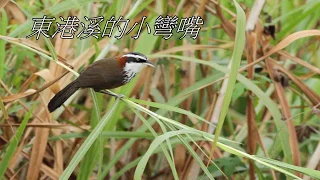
102 74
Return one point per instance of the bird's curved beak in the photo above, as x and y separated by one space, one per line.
148 63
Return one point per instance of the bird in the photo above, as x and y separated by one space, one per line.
108 73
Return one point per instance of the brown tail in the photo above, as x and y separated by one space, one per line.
62 96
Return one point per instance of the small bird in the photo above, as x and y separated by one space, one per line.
104 74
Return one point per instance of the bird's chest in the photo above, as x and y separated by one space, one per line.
127 76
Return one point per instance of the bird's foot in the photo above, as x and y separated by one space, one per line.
119 96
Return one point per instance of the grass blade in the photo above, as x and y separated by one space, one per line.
3 30
88 142
11 149
235 60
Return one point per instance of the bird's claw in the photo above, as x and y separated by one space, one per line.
119 96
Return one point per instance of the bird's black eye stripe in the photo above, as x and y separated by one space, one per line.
140 60
136 60
135 57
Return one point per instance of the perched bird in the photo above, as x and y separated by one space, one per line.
104 74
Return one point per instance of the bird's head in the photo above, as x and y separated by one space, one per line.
132 63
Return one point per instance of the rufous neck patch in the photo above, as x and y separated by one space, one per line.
122 61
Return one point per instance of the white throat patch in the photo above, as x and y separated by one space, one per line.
131 69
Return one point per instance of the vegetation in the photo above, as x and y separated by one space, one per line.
240 101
